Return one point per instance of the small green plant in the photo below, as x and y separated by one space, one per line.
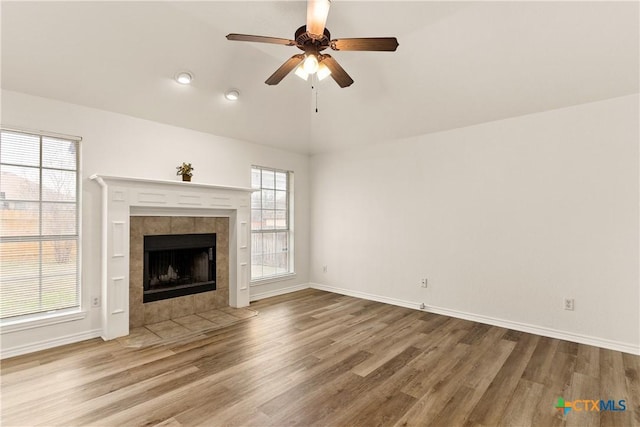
185 169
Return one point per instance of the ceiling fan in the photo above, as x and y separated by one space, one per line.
314 38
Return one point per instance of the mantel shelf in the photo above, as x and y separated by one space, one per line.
98 177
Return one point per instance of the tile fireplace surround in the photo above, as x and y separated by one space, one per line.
176 206
140 313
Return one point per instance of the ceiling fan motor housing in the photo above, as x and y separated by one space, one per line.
307 41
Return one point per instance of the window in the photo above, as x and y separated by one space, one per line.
39 243
271 231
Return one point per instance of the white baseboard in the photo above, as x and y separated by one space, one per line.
45 344
517 326
262 295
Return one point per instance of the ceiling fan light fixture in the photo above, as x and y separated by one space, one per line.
310 64
184 77
323 71
300 72
232 94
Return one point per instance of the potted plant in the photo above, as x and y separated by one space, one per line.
186 170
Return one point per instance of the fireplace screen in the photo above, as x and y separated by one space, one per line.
178 264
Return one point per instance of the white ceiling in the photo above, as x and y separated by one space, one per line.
458 64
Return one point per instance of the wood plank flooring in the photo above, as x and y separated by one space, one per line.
314 358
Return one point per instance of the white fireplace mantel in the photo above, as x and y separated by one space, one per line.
124 196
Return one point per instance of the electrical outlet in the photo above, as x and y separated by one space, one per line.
569 304
324 268
95 302
423 283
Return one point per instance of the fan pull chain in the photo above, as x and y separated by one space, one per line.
314 87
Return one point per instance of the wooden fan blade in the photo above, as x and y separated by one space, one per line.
337 72
260 39
284 69
317 12
389 44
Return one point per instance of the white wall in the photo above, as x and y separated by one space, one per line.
504 219
115 144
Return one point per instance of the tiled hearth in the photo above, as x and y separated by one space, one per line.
175 308
185 328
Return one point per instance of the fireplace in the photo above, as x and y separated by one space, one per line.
178 264
138 207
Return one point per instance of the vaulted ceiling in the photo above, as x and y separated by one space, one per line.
458 64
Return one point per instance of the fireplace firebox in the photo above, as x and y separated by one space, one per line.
178 264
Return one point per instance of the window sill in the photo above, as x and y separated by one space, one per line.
41 321
272 279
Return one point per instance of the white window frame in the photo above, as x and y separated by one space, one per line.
290 229
77 312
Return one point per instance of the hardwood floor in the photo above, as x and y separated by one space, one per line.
313 358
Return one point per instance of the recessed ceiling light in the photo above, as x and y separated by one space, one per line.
184 77
232 94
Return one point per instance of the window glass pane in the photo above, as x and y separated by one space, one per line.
19 259
58 257
268 220
282 263
256 266
256 200
59 274
20 279
269 265
281 180
281 200
59 154
268 243
282 242
281 220
59 292
58 186
20 219
256 244
256 220
19 296
268 199
268 257
20 149
268 179
19 183
58 219
255 178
